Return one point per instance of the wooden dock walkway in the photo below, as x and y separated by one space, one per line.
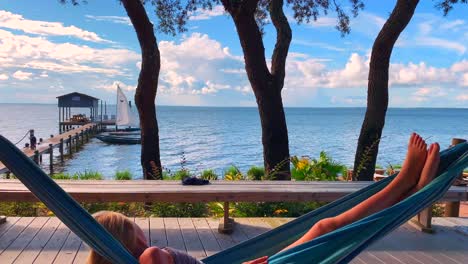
47 240
54 141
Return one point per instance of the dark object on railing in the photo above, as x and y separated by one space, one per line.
194 181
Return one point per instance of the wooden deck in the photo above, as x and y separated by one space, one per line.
47 240
55 141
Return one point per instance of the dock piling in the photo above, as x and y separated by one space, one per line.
36 157
70 140
51 159
61 150
82 137
77 138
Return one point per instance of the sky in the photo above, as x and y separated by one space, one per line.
48 49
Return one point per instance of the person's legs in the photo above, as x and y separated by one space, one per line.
407 179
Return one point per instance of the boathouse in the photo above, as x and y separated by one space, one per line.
76 100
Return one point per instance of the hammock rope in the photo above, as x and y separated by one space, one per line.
339 246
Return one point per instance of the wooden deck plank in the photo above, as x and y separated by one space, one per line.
14 249
174 234
224 240
69 250
158 236
191 239
207 238
33 249
11 234
199 236
53 246
10 221
82 254
143 223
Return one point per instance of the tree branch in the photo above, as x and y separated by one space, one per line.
283 39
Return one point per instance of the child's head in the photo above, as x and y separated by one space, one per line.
124 230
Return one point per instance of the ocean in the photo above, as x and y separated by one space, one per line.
217 137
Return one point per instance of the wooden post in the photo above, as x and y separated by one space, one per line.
61 150
87 134
7 175
77 138
51 159
70 140
452 209
36 156
82 137
226 226
2 219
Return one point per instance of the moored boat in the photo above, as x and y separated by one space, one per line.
125 117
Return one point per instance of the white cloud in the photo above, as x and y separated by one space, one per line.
113 86
39 53
316 44
441 43
198 65
21 75
44 28
112 19
205 14
462 97
4 77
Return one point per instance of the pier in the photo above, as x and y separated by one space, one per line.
66 143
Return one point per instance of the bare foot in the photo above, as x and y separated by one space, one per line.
430 167
413 164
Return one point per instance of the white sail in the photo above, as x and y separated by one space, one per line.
125 116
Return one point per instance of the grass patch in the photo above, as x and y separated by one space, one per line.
256 173
123 175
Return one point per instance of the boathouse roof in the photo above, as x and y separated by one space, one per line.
76 99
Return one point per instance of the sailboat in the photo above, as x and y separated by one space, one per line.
125 117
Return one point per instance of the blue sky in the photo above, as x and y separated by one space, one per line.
48 49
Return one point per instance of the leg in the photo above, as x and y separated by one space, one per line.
391 194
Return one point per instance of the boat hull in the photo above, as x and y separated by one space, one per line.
122 140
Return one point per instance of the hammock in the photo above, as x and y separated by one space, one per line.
339 246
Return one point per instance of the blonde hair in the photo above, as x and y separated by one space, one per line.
121 227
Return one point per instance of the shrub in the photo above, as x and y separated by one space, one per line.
180 174
273 209
233 174
209 175
61 176
123 175
87 175
256 173
322 169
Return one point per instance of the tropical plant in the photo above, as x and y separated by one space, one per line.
256 173
180 174
233 174
61 176
123 175
322 169
209 175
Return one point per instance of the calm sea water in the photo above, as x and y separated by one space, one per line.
219 137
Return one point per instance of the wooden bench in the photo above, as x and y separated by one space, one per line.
220 191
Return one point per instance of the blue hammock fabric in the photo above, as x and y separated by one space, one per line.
339 246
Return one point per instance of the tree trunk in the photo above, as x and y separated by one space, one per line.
145 94
266 86
377 91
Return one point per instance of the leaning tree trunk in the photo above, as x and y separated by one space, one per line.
377 91
145 94
266 86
